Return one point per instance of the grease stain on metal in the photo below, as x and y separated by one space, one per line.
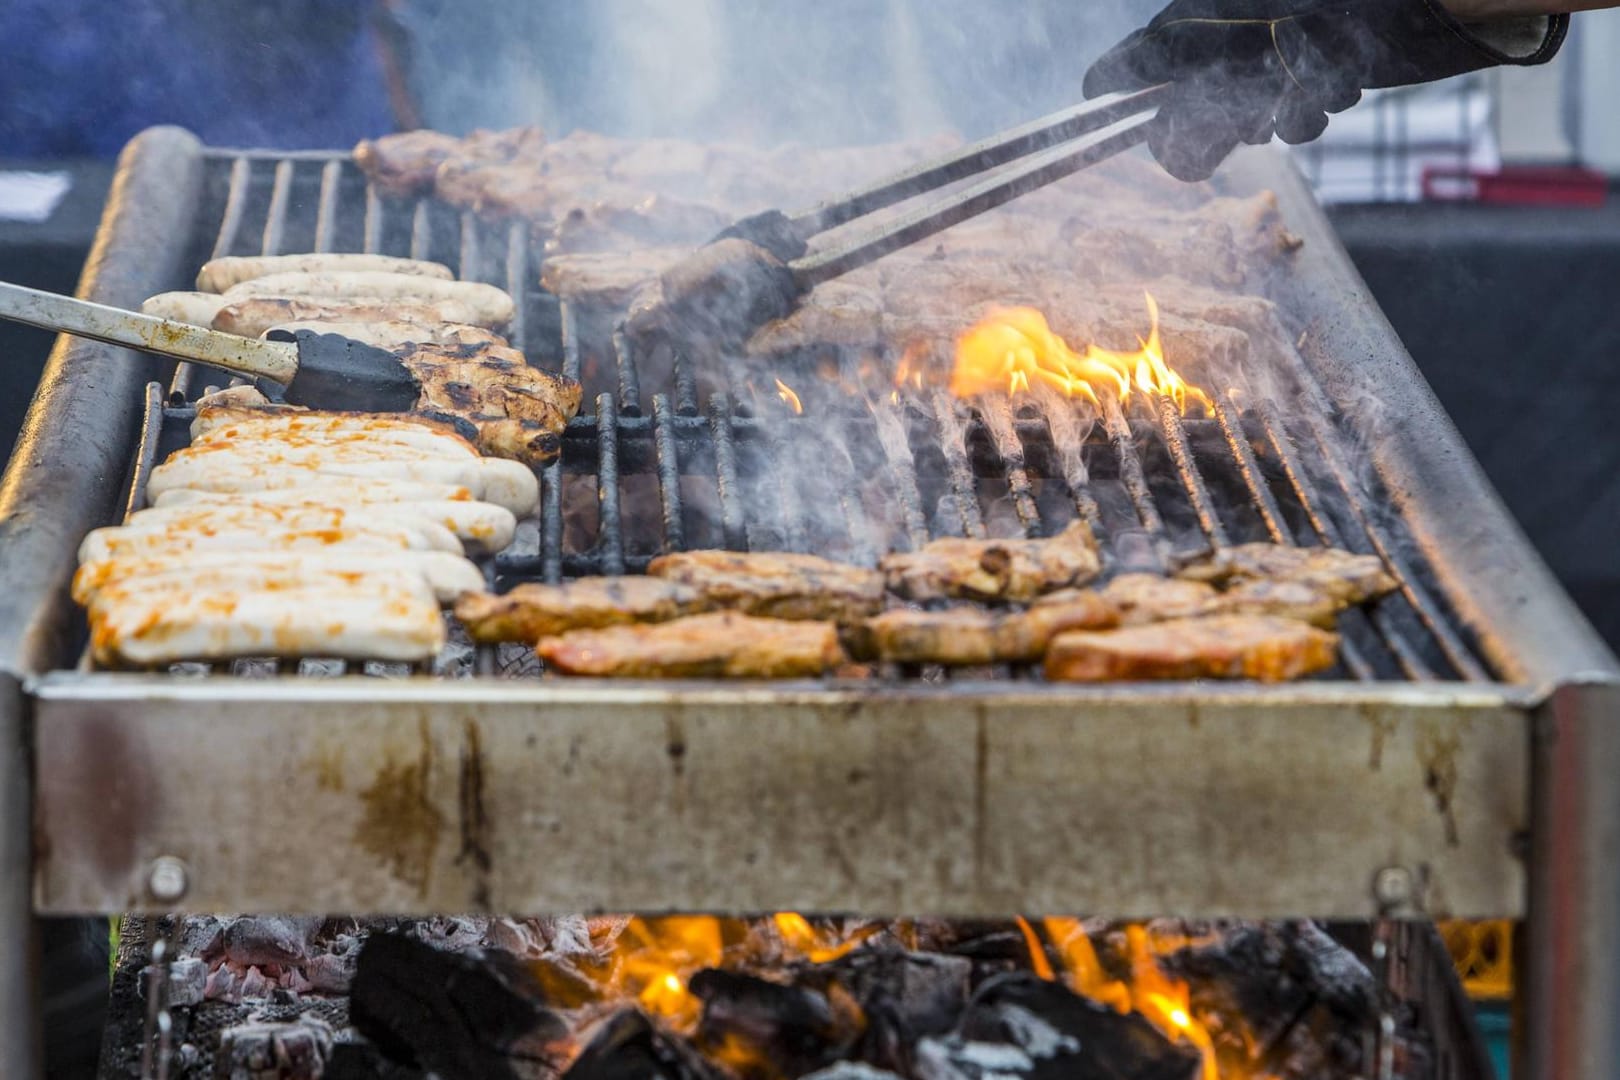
326 762
1438 751
1382 727
473 818
399 823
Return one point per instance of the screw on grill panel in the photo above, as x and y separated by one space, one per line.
1394 888
669 474
167 880
733 521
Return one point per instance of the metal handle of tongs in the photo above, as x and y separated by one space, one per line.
1058 145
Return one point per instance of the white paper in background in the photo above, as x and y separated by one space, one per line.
32 197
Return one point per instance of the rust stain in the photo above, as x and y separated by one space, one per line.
1382 728
1437 756
474 818
400 825
327 763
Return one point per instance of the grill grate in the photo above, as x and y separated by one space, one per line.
711 459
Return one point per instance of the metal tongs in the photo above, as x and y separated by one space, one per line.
758 269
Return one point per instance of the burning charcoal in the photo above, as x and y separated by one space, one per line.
628 1047
1063 1035
793 1027
187 980
926 991
270 1051
202 936
1297 989
458 1015
281 940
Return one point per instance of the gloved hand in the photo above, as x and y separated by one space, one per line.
1243 70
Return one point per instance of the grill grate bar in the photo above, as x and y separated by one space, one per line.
275 221
230 223
998 420
421 231
686 395
372 241
669 474
788 503
1175 439
471 257
1259 490
953 442
610 526
517 282
902 462
733 522
1063 424
570 342
551 523
1130 470
624 363
327 207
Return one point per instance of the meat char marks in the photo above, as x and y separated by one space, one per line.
1259 647
999 570
722 644
531 612
519 411
780 585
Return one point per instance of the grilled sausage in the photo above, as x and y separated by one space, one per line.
249 427
335 492
483 525
244 515
116 541
504 483
253 316
449 576
196 308
492 307
217 275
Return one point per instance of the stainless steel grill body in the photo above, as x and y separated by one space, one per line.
1472 713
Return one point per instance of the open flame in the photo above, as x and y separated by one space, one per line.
1164 1002
785 392
1013 350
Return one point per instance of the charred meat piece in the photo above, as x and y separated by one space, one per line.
780 585
1148 598
520 411
1012 570
718 645
404 164
531 612
1259 647
969 636
1349 578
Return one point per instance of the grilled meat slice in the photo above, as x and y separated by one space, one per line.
1349 578
627 219
1149 598
405 164
520 411
842 314
1260 647
1300 600
721 644
780 585
1012 570
531 612
607 278
968 636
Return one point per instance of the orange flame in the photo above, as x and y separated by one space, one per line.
785 392
817 946
1014 350
1164 1002
658 955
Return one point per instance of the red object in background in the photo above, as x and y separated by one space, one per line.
1518 185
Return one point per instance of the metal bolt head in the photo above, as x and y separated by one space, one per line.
1393 887
167 880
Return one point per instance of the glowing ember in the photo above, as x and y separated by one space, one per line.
817 947
1014 350
785 392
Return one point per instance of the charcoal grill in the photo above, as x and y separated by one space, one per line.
1456 764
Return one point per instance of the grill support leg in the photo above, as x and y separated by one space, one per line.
1571 978
20 1042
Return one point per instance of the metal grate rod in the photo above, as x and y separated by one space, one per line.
782 453
230 223
517 283
372 243
891 433
1259 490
669 473
326 207
686 403
1175 439
610 525
570 341
733 522
275 221
551 522
471 257
953 442
624 362
421 231
1063 424
1130 469
998 420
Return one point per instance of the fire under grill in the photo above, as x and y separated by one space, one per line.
672 452
1457 763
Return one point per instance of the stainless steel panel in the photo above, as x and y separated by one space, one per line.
418 796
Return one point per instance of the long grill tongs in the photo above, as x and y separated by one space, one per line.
719 294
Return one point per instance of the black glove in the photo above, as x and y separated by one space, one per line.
1243 70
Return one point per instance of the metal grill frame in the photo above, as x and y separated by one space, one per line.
1356 800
